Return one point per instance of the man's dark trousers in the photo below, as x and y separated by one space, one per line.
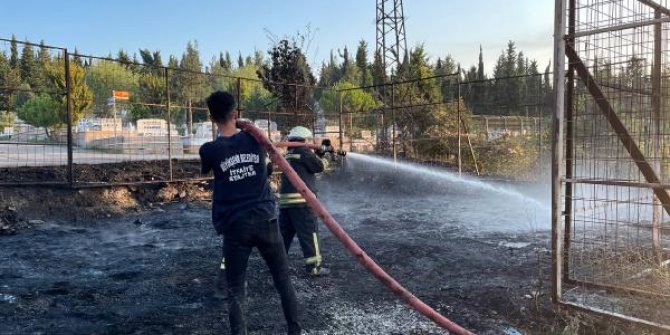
240 238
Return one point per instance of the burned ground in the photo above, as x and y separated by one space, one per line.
123 172
478 257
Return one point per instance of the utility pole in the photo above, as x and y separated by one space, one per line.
391 41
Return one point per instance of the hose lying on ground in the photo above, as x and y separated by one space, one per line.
348 242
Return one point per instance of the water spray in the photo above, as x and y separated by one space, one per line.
445 175
346 240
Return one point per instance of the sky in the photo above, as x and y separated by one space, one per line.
455 27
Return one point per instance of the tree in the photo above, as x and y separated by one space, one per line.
150 92
193 83
355 102
80 94
362 63
480 67
240 60
534 86
13 53
42 111
152 60
11 78
420 98
348 69
379 77
43 62
253 96
104 77
330 73
29 68
288 77
448 84
4 73
225 62
258 58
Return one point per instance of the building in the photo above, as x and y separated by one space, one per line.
154 127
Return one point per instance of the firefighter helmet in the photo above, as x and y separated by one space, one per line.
300 133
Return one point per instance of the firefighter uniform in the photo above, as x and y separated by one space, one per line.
295 216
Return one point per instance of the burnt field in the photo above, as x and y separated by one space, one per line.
118 172
479 256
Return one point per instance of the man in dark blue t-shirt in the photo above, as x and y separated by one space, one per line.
244 211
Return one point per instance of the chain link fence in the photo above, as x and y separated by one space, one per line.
86 120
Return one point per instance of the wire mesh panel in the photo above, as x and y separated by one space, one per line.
33 117
509 128
616 158
125 127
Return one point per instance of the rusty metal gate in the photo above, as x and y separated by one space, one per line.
610 157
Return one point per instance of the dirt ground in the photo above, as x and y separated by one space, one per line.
129 265
139 171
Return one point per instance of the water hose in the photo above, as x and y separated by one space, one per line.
311 146
348 242
296 145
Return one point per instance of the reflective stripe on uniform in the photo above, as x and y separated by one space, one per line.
316 260
325 163
291 198
223 264
292 156
290 195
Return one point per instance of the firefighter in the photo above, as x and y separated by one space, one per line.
295 217
244 212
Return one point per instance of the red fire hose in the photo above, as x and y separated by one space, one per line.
349 243
296 144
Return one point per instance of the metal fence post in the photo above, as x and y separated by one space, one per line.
458 111
557 151
239 97
569 146
339 93
657 214
393 131
296 120
68 106
169 122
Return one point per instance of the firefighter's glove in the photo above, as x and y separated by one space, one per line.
327 146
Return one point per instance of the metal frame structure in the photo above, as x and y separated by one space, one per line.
391 40
609 129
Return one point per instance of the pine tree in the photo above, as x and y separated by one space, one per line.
14 54
192 81
4 73
480 67
258 58
248 61
240 61
28 67
124 59
362 64
43 57
158 59
378 71
173 63
76 59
